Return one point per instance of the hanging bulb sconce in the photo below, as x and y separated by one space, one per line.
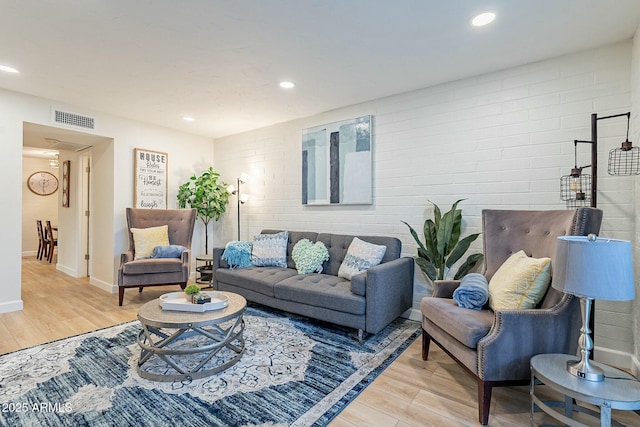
575 188
626 159
578 189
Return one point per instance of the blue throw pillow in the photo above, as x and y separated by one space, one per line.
237 254
171 251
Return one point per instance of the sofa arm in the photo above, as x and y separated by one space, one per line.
185 257
126 257
217 262
389 292
518 335
444 288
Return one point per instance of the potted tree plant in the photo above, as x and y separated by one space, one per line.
442 247
209 195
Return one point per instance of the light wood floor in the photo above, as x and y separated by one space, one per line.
409 393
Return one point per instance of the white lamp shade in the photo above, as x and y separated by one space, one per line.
231 189
598 269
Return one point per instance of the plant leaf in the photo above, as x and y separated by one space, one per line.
467 266
461 248
428 268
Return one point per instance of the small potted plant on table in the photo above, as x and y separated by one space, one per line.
195 296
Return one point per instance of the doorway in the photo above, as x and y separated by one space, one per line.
73 218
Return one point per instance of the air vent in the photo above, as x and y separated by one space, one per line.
72 119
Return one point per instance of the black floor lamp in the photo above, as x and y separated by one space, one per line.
579 189
242 198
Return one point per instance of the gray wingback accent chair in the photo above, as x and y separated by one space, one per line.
496 347
138 273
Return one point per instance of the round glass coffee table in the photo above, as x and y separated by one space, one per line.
181 345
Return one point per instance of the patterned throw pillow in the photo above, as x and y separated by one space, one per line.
145 239
360 256
519 283
270 250
309 256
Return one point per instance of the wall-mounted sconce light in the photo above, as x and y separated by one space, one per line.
242 198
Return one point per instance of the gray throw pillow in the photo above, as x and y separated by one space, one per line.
270 250
360 256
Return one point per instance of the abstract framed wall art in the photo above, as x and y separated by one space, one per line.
150 179
337 163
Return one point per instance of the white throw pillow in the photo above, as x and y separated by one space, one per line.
360 256
270 250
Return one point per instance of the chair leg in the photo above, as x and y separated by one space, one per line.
484 401
120 295
426 341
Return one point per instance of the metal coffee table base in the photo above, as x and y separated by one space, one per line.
158 341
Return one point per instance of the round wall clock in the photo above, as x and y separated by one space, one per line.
43 183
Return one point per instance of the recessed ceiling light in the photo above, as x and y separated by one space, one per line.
287 85
8 69
188 119
483 19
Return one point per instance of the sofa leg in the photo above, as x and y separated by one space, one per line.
426 341
360 336
484 401
183 285
140 290
120 295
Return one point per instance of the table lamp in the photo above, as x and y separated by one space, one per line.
592 268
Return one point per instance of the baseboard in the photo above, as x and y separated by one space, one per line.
29 253
615 358
66 270
107 287
7 307
413 314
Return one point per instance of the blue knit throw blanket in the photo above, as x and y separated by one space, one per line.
237 254
473 292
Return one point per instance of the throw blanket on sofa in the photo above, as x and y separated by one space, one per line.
473 291
237 254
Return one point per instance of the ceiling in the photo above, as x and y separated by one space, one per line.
220 61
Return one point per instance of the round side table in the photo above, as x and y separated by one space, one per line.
204 269
619 390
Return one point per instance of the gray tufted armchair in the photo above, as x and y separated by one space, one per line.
157 271
496 347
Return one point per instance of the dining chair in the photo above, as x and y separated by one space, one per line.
42 243
50 240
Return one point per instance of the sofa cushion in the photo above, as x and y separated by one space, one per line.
360 256
466 326
520 283
321 290
270 250
257 279
152 265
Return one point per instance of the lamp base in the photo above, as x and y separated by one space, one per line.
585 370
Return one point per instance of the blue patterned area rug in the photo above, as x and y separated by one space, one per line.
294 372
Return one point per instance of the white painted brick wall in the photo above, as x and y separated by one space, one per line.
500 140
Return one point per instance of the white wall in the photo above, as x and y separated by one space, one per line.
112 183
635 138
34 206
500 140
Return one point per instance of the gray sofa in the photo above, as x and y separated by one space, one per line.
369 302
